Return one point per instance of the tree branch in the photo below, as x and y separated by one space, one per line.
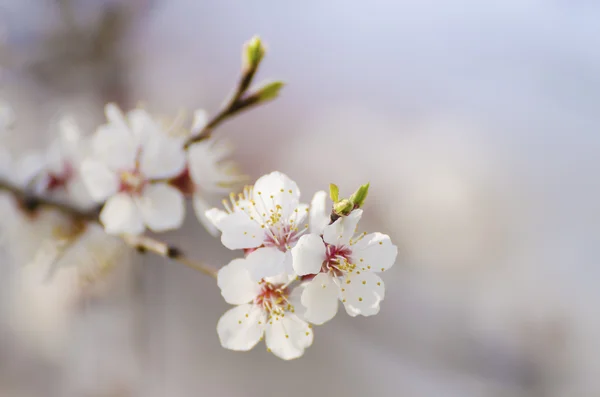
32 203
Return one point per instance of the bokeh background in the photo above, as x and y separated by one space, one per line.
476 123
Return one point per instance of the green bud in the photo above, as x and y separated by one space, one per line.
269 91
334 192
343 207
358 198
254 51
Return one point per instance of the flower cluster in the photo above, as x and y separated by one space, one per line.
135 168
135 173
299 262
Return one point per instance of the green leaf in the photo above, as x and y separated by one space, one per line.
269 91
334 192
358 198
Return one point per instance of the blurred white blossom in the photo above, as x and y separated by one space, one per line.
132 160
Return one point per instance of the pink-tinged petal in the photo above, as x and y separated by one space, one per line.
320 298
265 262
276 189
115 147
242 327
287 337
319 215
375 252
342 230
162 207
100 181
120 215
237 287
240 232
308 255
201 208
362 295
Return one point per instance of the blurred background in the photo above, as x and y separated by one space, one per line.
475 122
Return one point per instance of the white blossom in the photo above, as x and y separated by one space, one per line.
132 162
267 307
207 172
56 171
268 215
345 268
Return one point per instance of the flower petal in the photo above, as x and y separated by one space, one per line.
162 207
308 255
100 181
319 216
239 231
161 156
237 287
215 216
120 215
362 294
201 208
199 122
320 298
242 327
115 146
276 189
375 252
287 337
342 230
265 262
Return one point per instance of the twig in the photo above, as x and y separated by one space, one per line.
241 100
32 203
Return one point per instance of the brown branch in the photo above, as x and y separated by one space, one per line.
32 203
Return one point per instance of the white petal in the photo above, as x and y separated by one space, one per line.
308 255
121 215
215 216
7 116
205 168
239 231
161 156
237 287
265 262
242 327
200 121
287 337
375 252
116 147
29 167
201 208
100 181
343 229
319 216
5 164
162 207
363 294
320 298
276 189
55 159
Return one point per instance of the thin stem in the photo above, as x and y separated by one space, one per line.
236 104
32 203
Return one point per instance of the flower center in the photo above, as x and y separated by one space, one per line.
337 260
132 182
273 298
58 181
184 183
